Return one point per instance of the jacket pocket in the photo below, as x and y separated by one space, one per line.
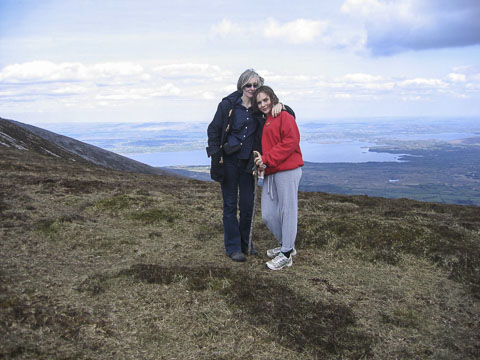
216 167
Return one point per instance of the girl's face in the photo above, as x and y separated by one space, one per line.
264 103
250 87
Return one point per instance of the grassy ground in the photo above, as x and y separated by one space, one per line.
111 265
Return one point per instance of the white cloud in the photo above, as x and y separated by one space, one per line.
209 95
470 73
166 90
362 78
361 85
129 94
296 32
455 77
225 29
70 90
121 69
48 85
40 71
189 70
363 7
44 71
423 83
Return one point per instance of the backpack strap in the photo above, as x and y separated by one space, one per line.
229 121
227 129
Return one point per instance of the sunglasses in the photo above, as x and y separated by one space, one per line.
248 86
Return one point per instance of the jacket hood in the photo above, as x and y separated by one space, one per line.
233 97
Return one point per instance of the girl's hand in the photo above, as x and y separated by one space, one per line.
257 158
277 109
258 171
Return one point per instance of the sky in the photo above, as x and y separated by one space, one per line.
162 61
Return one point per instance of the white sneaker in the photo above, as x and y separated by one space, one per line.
271 253
279 262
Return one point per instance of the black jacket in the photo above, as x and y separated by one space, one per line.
217 135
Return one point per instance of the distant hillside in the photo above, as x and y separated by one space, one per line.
18 135
105 264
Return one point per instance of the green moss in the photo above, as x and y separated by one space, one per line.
47 227
115 203
156 215
403 317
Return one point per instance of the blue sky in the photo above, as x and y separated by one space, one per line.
152 61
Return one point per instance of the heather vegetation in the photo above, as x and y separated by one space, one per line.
103 264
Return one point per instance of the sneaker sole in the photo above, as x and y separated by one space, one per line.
280 268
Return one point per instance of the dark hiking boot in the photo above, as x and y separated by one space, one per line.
238 256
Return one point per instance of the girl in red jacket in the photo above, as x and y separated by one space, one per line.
233 134
282 157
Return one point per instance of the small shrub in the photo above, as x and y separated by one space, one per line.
402 317
95 284
47 227
115 203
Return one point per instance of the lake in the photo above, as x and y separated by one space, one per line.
182 144
351 151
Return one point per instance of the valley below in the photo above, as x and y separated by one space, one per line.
445 172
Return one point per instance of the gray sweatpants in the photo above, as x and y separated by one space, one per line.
280 206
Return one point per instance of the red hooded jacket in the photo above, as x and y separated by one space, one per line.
281 144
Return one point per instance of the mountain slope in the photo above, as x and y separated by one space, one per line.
19 135
105 264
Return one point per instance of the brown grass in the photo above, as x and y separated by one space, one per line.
98 264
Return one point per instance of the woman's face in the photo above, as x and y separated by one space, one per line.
250 87
264 103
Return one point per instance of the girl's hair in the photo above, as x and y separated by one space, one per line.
246 76
268 91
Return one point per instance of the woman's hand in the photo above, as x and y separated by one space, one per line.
277 109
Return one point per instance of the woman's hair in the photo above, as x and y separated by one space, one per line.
268 91
246 76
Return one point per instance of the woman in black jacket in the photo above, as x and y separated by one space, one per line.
233 134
